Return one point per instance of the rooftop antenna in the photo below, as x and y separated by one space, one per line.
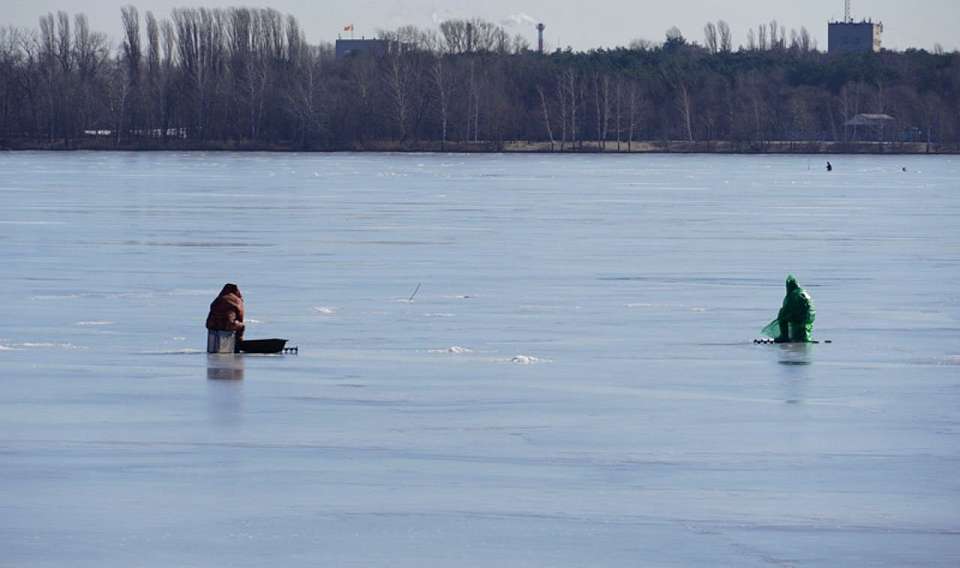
847 15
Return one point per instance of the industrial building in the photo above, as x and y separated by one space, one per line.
855 37
849 36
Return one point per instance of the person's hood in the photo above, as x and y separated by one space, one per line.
231 289
792 283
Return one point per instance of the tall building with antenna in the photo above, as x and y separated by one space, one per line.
848 36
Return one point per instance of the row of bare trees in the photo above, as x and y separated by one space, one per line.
247 77
773 36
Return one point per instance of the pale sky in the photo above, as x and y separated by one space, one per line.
582 25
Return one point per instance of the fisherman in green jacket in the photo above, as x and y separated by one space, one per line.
794 323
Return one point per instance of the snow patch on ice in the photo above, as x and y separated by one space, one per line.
253 321
189 292
526 360
187 351
325 310
454 350
94 323
128 295
45 345
439 315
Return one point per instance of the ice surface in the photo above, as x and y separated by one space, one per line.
654 433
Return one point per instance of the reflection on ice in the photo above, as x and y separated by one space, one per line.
225 366
796 354
225 390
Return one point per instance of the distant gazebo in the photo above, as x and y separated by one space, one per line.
870 126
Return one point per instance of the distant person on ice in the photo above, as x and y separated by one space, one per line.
794 323
225 321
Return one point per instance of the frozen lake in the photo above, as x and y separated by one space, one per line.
573 385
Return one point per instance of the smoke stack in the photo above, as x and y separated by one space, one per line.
540 28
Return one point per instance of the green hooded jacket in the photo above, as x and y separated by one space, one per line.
794 323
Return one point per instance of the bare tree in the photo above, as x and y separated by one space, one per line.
187 25
132 49
167 76
805 41
443 97
90 54
562 97
678 79
118 91
619 107
599 111
571 86
132 57
520 44
305 105
726 37
55 62
397 78
546 115
604 135
711 38
11 60
64 51
632 115
454 34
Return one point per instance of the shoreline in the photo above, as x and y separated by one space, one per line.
511 147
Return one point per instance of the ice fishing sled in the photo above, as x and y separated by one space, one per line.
266 346
226 342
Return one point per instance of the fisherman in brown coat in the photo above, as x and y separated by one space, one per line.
225 319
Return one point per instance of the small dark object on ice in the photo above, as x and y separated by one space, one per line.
267 346
829 167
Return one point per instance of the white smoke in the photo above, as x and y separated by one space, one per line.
518 20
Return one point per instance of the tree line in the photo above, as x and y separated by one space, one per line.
247 77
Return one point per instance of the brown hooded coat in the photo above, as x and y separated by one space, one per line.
226 312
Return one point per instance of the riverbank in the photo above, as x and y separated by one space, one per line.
509 147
